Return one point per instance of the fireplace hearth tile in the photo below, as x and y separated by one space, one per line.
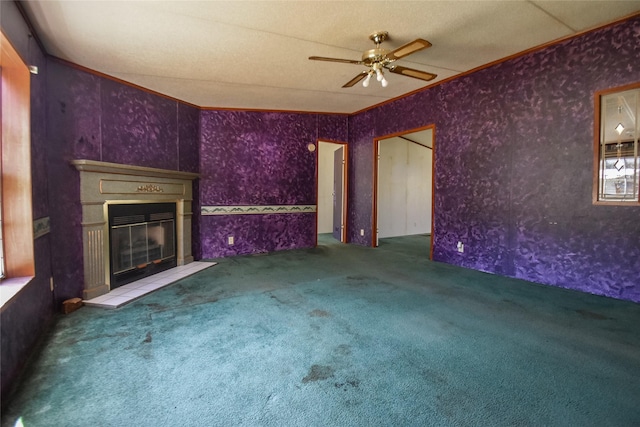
116 292
132 291
166 280
136 293
152 286
114 302
133 285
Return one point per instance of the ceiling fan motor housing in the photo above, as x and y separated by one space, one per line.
373 56
377 55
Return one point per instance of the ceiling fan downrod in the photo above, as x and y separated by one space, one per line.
378 54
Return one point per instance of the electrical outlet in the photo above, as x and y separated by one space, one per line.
230 240
362 231
460 247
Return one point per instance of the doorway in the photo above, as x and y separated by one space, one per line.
403 190
332 190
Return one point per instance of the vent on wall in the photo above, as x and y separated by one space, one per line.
128 219
160 216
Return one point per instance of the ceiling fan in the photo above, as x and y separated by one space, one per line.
378 59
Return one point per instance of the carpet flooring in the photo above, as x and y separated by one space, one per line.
340 335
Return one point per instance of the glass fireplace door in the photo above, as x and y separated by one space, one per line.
142 241
138 245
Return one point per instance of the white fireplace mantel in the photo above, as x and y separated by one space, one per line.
103 183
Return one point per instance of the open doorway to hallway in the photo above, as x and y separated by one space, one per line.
403 195
332 190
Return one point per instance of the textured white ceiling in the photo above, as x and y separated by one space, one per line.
254 54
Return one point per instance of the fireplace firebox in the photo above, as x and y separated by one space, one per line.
142 240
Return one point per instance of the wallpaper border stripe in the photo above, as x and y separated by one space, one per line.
257 210
41 227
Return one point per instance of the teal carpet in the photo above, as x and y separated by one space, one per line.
340 335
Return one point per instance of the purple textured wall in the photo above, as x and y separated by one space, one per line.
360 215
95 118
74 133
256 233
28 315
513 165
188 147
260 158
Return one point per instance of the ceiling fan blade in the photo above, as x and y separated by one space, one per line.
408 49
356 79
410 72
346 61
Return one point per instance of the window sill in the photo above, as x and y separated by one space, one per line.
616 203
9 288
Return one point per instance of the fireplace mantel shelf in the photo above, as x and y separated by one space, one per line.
120 169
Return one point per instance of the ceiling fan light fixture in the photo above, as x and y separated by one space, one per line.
384 82
365 83
379 75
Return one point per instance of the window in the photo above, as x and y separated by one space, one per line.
15 165
617 170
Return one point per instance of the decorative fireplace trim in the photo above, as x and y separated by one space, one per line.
103 183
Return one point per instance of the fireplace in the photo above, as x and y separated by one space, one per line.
141 240
136 221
